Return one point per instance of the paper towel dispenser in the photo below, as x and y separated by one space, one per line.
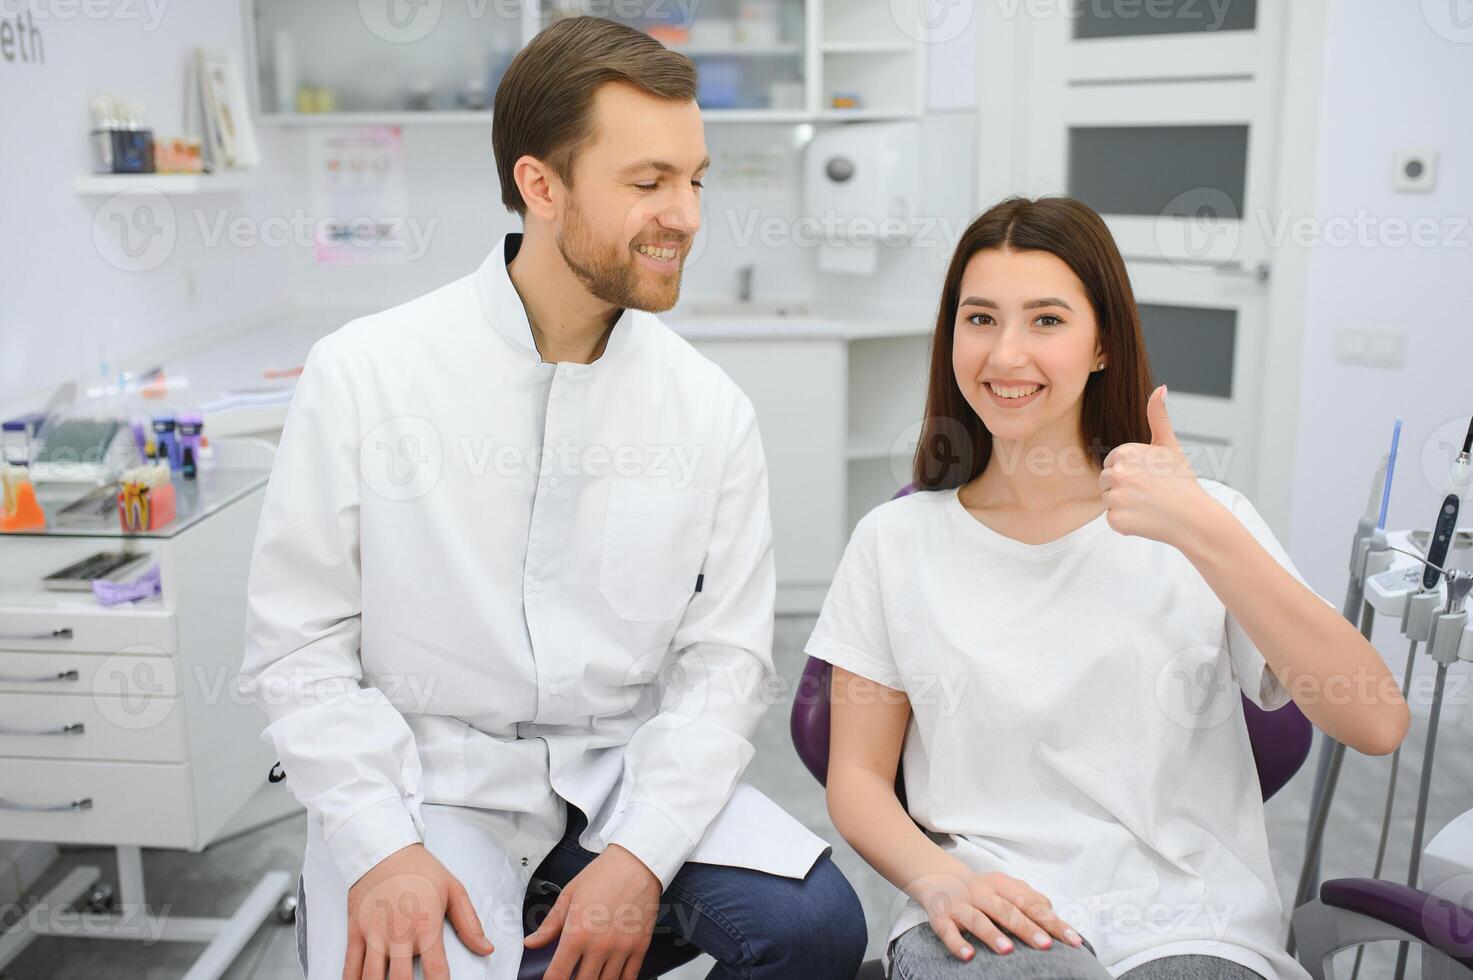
862 185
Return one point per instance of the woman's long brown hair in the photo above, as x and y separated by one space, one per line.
954 445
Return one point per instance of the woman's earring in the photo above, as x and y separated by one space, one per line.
1100 366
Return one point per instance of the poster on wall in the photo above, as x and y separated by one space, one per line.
359 195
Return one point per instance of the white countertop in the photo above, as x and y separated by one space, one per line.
230 361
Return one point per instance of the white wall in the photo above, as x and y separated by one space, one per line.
1371 108
61 295
70 304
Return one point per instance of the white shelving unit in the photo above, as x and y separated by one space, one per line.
857 48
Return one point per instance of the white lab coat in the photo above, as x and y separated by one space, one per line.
475 583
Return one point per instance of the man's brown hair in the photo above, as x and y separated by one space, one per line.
544 104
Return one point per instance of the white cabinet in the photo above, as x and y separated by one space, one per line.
123 725
839 404
315 62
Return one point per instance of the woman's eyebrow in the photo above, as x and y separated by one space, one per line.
1032 304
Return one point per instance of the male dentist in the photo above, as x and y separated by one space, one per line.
511 604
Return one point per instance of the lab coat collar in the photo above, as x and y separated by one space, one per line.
502 306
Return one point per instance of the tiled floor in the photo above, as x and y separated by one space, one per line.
211 883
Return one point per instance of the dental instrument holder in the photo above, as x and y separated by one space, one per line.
1446 636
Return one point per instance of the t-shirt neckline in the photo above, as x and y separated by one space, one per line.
1001 542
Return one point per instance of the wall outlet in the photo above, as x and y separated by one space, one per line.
1371 346
1416 170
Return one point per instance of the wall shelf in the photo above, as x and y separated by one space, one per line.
96 185
451 117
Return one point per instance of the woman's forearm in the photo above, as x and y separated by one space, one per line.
1335 676
867 813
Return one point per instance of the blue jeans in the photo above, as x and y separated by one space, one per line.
755 925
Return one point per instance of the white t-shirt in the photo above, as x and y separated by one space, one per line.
1076 721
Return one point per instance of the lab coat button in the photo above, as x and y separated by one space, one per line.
536 586
554 689
553 483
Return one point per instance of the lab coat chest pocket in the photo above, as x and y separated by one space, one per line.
655 539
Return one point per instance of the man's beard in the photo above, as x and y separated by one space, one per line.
608 271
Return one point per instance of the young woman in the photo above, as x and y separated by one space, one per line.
1053 634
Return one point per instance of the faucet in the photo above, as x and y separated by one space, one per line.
744 284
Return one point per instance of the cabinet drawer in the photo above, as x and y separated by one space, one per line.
118 675
146 632
148 804
79 726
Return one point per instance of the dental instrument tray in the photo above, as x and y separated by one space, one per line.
114 566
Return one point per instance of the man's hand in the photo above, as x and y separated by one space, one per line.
397 911
606 915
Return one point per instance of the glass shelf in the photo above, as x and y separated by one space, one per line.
194 500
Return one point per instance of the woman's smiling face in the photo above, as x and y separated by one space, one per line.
1025 343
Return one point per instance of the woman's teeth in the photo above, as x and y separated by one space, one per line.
1014 392
656 252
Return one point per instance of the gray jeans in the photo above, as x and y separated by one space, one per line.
919 954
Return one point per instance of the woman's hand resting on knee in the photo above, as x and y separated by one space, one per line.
980 903
397 911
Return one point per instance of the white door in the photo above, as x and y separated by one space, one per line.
1164 116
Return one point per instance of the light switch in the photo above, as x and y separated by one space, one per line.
1371 346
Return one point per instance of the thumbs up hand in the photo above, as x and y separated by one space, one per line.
1151 490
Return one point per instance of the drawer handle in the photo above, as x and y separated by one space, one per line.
82 804
75 728
59 633
65 675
